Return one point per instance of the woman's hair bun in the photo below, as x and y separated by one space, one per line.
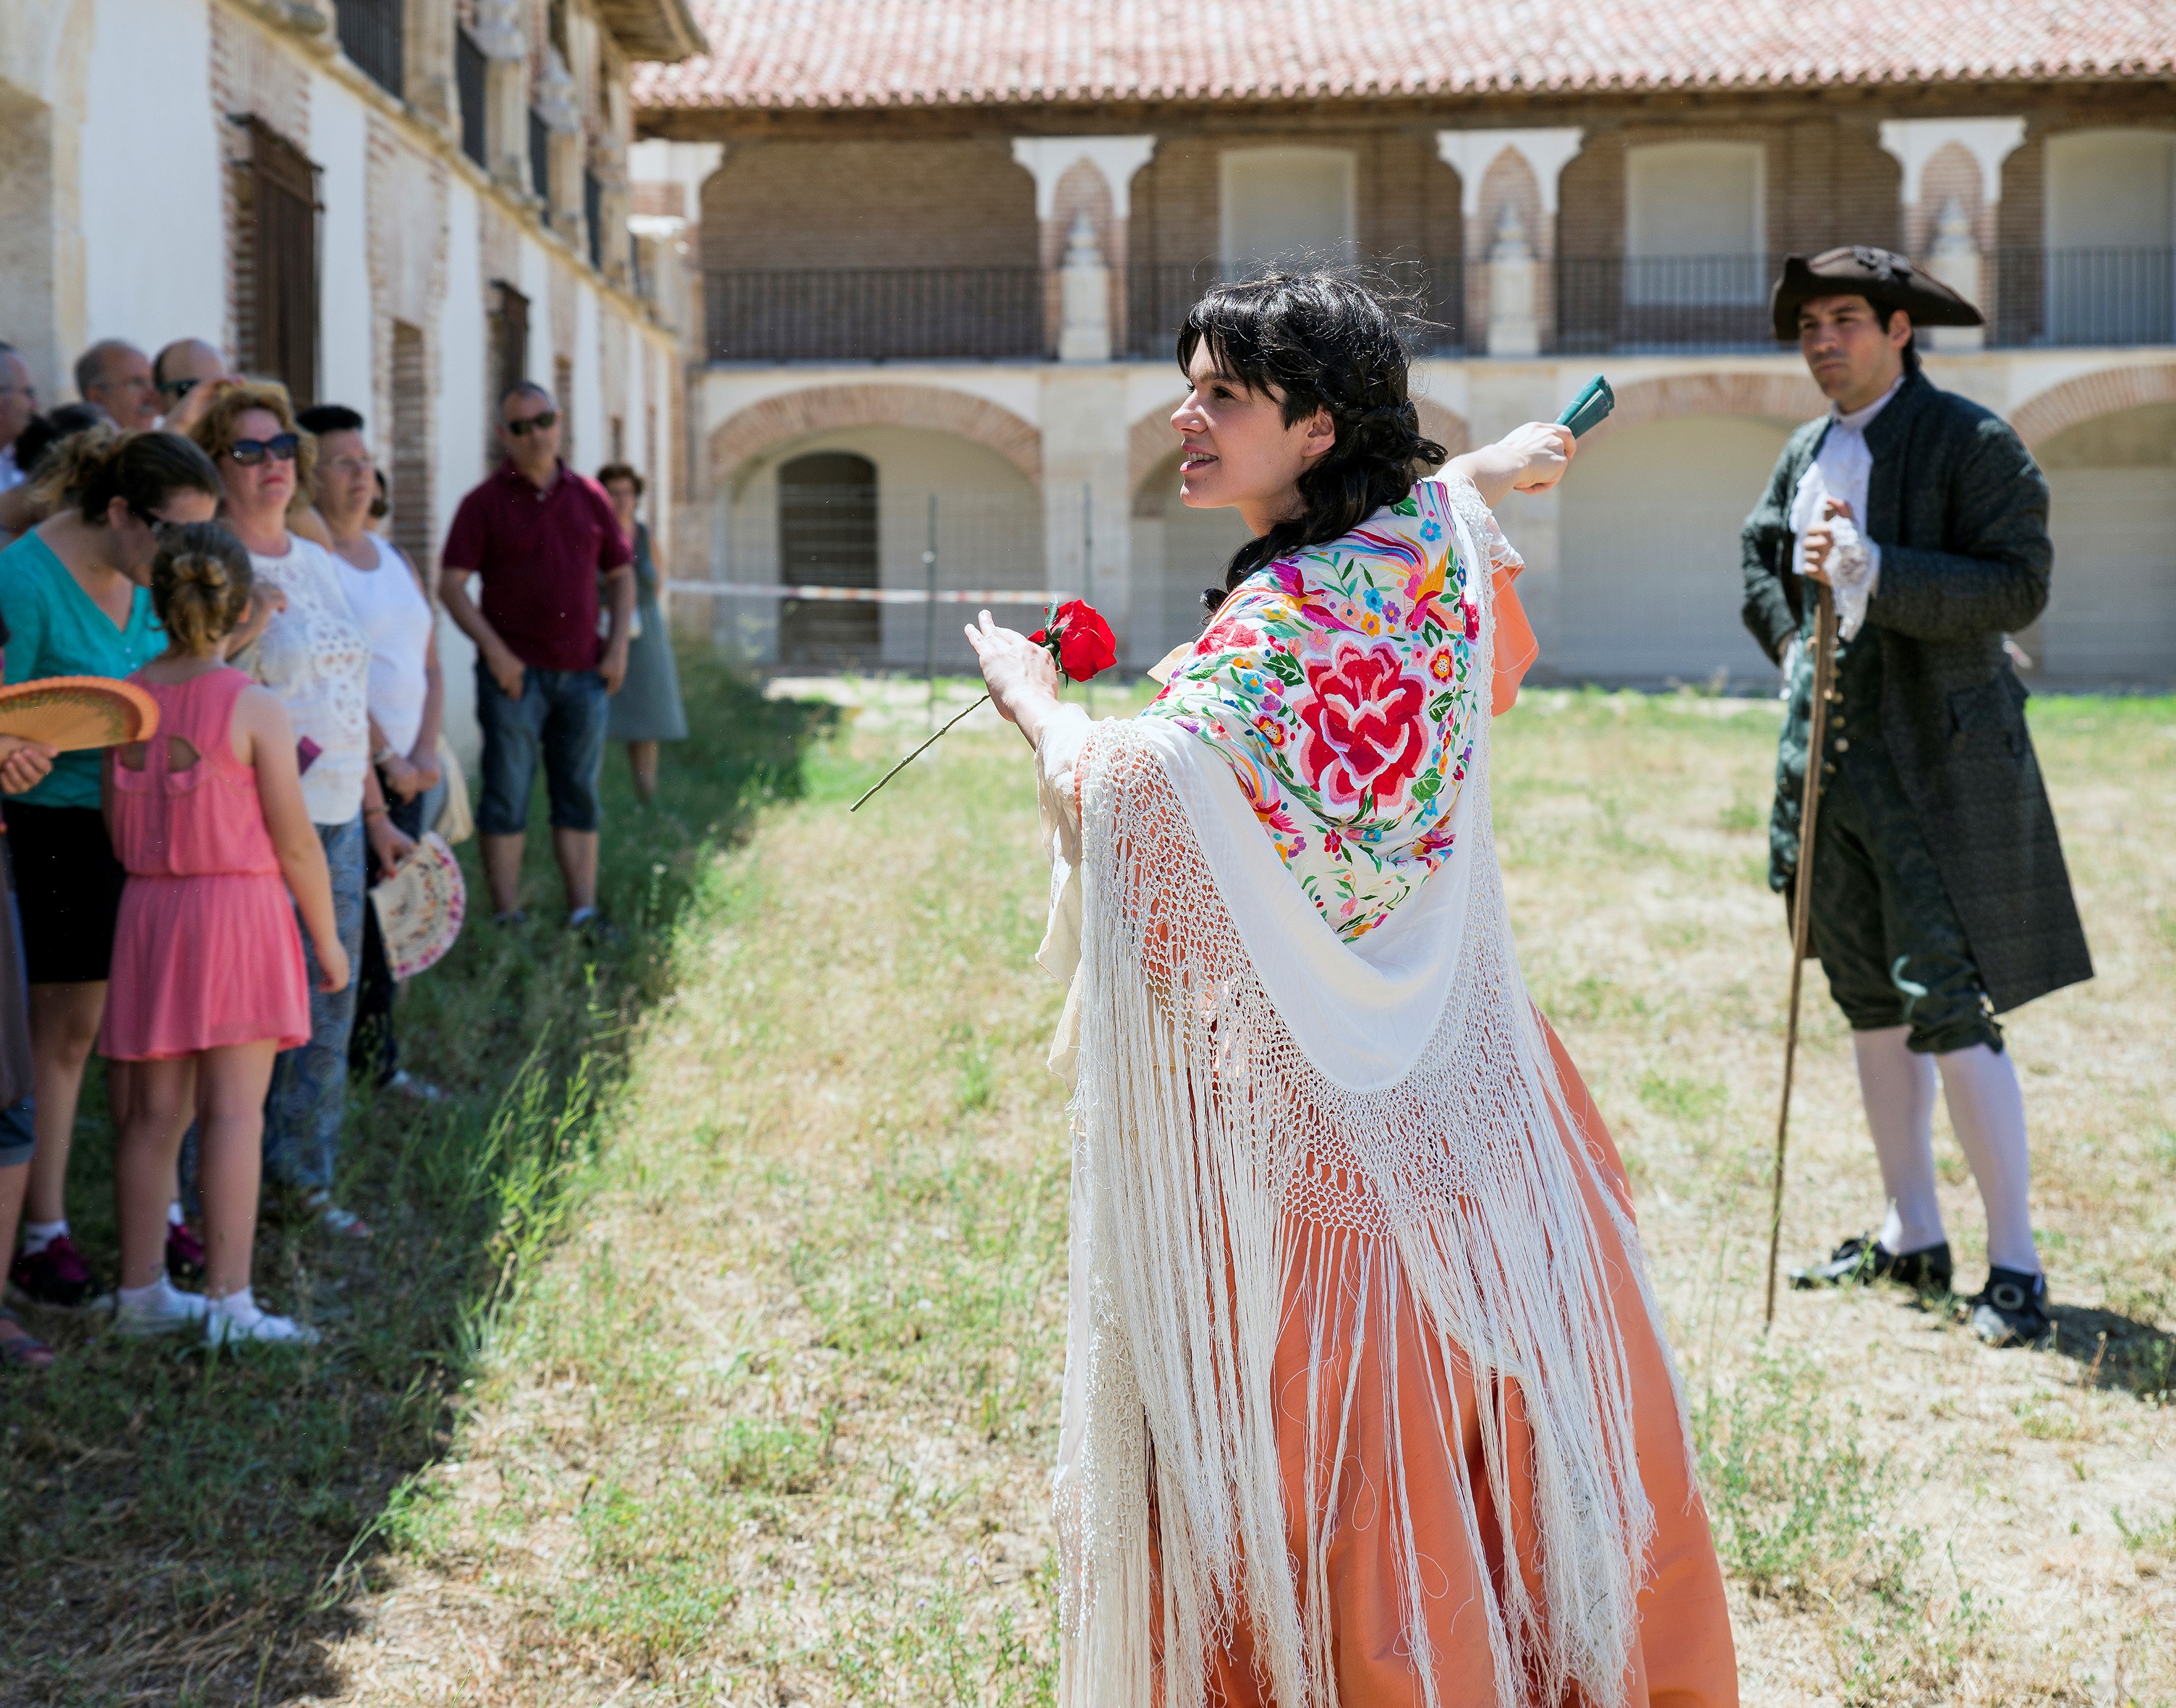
200 583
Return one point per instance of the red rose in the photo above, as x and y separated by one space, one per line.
1084 644
1365 733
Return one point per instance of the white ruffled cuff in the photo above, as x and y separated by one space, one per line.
1854 567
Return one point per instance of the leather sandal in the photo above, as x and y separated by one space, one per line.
22 1351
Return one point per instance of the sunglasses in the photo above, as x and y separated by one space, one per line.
178 388
251 452
542 421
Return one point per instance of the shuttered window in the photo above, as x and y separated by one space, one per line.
470 71
278 281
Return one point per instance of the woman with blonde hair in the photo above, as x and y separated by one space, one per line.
207 974
1367 1396
315 657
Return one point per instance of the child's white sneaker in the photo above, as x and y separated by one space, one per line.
159 1308
237 1321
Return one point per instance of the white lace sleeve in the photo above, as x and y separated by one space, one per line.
1481 523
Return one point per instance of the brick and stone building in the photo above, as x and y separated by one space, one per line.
942 246
401 205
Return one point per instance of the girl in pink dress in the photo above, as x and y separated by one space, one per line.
208 982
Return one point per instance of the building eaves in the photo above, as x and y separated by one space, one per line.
661 31
779 56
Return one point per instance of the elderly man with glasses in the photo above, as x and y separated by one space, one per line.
116 376
539 535
18 402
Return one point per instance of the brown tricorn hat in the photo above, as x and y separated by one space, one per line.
1883 277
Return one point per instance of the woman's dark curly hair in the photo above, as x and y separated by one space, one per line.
1318 340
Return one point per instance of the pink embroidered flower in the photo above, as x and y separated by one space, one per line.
1230 635
1332 842
1472 614
1365 733
1443 664
1273 732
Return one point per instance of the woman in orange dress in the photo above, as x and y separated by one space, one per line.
1367 1397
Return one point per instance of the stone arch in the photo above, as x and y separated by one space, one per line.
2041 418
1149 440
1787 397
821 408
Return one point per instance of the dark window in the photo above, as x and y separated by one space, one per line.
510 352
827 537
562 394
280 324
468 75
372 32
593 215
540 159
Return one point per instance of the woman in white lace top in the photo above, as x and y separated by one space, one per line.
316 657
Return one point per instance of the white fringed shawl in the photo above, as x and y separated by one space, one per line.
1245 1083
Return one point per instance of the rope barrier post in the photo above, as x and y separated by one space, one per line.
929 620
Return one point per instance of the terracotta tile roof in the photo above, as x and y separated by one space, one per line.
771 54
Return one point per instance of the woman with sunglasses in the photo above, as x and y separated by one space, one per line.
316 658
72 594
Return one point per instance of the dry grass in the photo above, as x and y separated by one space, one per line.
775 1425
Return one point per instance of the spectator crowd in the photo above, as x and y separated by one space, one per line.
193 907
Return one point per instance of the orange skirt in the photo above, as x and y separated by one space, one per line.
1684 1657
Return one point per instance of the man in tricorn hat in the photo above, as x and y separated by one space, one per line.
1939 896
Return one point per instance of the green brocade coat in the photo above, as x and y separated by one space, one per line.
1960 510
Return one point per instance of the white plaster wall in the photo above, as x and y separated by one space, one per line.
462 406
592 435
989 536
1652 583
154 259
346 359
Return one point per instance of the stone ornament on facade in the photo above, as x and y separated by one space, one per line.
1514 324
1084 290
500 30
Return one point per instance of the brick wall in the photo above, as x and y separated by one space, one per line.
1406 200
945 203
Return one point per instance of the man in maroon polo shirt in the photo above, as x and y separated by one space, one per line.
539 535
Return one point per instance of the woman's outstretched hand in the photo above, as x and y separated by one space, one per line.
1530 458
1022 676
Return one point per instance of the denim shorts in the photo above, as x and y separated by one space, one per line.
565 713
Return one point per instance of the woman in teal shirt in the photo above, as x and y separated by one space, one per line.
73 598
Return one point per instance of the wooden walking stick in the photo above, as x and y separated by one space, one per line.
1801 903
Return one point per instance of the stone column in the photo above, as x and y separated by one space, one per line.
1514 326
1988 142
559 105
1084 293
1953 258
1048 159
428 72
1546 152
1084 479
501 32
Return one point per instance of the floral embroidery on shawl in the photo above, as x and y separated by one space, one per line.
1344 684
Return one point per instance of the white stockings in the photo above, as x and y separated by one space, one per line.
1988 1112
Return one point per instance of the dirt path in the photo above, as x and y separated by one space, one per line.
775 1426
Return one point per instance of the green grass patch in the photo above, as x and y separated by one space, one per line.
186 1526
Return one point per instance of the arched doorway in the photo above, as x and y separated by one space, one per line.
2110 615
1651 584
827 537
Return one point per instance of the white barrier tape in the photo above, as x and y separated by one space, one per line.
874 596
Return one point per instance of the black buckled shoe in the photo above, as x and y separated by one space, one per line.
2011 1310
1863 1260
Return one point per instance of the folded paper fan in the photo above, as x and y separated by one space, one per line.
73 712
419 907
